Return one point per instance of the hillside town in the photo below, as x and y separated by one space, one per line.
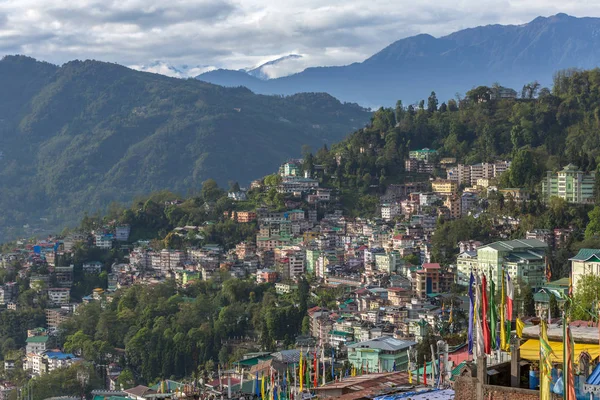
391 299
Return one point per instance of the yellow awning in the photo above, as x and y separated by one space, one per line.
530 350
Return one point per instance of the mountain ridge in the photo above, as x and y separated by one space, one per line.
81 135
410 68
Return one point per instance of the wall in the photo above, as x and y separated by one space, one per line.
509 393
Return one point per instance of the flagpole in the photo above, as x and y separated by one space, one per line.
565 368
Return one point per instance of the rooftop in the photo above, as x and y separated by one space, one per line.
587 255
517 244
384 343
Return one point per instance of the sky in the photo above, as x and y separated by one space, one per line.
199 35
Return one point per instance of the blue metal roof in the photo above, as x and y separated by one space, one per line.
594 378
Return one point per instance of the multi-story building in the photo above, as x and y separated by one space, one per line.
64 276
245 249
104 240
472 174
453 203
398 296
585 262
122 233
171 259
9 292
245 216
523 259
56 316
388 262
444 187
468 201
389 211
289 262
424 154
37 344
466 262
544 235
570 184
92 267
381 354
266 276
59 296
427 280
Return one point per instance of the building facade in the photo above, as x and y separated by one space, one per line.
570 184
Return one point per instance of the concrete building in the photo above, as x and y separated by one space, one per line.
523 259
59 296
92 267
570 184
424 154
37 344
453 203
427 280
585 262
389 211
381 354
468 201
465 263
122 233
9 292
388 262
444 187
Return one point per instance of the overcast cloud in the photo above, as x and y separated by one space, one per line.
203 34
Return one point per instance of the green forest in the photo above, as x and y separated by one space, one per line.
76 137
161 332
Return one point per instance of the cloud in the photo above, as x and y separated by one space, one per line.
241 33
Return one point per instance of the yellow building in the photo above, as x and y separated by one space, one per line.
444 186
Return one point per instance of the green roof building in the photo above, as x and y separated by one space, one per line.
523 259
586 262
570 184
380 354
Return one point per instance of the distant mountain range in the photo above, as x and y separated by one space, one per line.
411 68
77 137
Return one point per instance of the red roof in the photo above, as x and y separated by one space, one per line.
431 266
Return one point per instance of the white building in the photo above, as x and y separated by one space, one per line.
59 296
92 267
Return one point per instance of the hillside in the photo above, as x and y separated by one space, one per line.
544 131
76 137
410 68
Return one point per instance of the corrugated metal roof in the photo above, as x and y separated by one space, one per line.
436 394
586 254
594 378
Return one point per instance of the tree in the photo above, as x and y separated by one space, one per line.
210 190
234 187
553 305
126 379
432 102
586 299
593 227
399 111
452 105
272 180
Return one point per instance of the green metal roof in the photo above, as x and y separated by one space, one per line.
587 255
37 339
456 371
340 333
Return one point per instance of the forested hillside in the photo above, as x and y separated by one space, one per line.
542 130
76 137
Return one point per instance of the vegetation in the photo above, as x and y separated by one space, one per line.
79 136
163 332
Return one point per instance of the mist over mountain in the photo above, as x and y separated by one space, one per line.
410 68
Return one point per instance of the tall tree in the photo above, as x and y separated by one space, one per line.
432 102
